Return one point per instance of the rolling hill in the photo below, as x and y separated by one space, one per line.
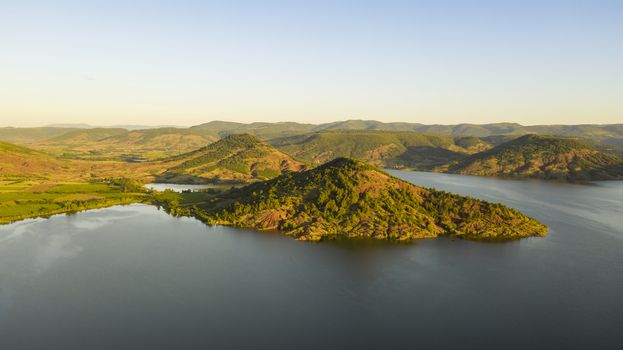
82 136
234 158
421 151
163 142
18 161
346 198
548 157
261 130
122 144
167 141
27 136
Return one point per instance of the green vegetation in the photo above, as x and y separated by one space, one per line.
547 157
218 151
156 143
121 144
234 158
415 150
346 198
342 198
21 199
34 184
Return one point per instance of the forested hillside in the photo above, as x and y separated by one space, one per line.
234 158
345 198
547 157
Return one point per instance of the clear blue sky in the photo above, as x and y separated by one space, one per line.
187 62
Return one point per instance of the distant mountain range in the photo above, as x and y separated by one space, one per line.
120 126
263 129
272 130
572 152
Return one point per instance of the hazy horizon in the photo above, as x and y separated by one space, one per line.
134 125
188 62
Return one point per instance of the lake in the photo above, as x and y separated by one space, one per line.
183 187
134 277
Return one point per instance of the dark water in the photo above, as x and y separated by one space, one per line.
133 277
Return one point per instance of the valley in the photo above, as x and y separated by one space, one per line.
310 182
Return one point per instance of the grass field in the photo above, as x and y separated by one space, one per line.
22 199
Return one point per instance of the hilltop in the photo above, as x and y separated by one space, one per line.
540 156
346 198
161 142
234 158
417 150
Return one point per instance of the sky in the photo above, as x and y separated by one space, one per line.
188 62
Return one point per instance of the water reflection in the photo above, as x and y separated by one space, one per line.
134 277
41 243
183 187
598 204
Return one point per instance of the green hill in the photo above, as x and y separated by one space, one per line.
416 150
539 156
234 158
346 198
161 142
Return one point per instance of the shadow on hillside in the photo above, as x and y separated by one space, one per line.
185 179
425 158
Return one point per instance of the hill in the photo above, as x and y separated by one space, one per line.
21 161
160 143
539 156
164 140
25 165
81 136
421 151
234 158
167 141
258 129
346 198
118 126
34 184
122 144
26 136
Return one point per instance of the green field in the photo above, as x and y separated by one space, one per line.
22 199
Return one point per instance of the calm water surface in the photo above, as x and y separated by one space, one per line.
134 277
182 187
